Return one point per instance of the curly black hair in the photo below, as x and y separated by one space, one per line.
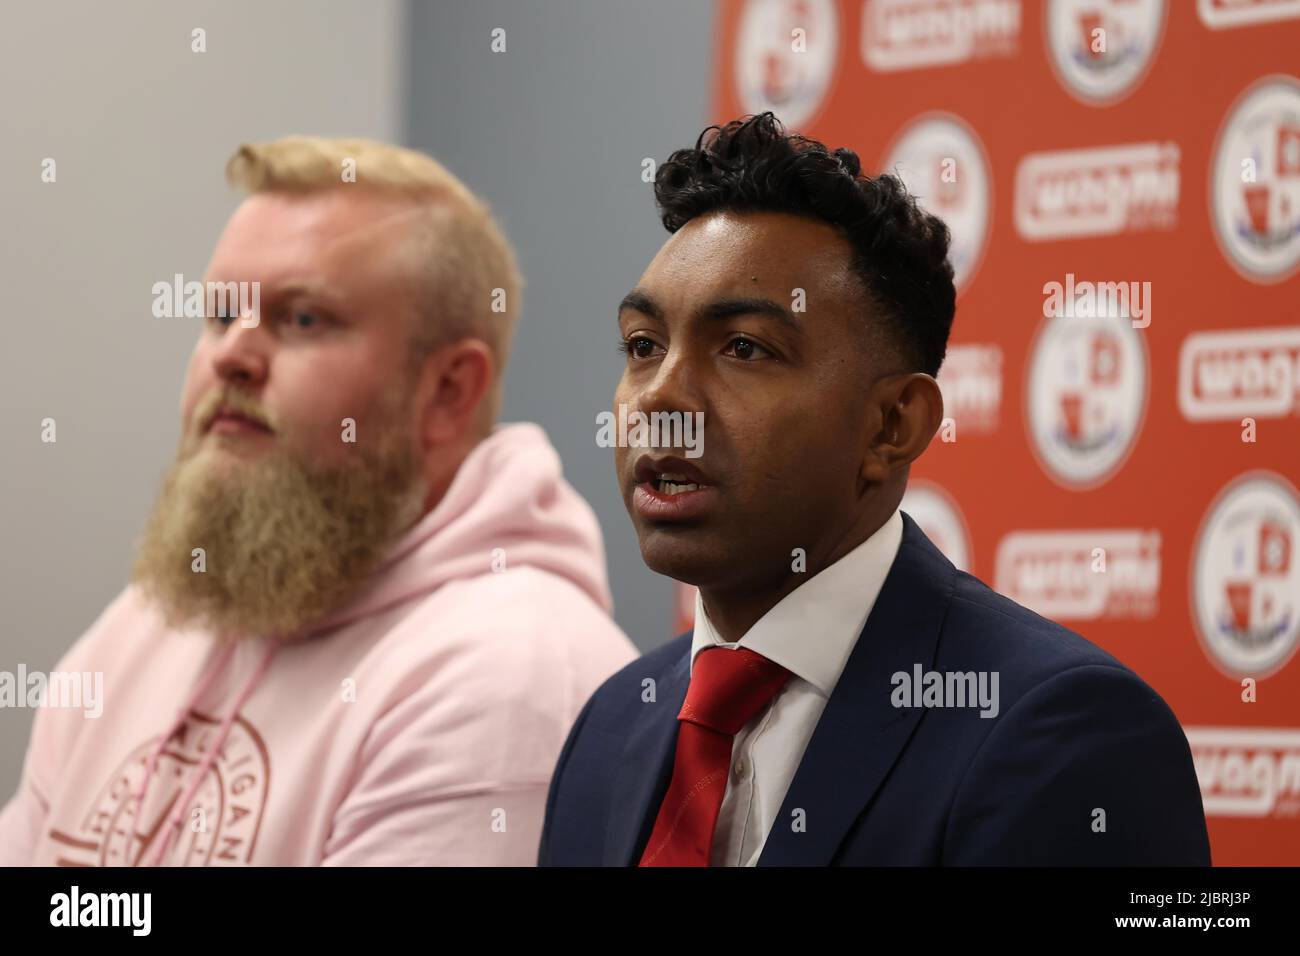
899 251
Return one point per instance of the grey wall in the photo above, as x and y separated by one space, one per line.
140 128
552 133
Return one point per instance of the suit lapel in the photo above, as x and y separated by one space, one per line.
643 772
860 733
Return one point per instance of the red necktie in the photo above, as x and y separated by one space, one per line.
728 688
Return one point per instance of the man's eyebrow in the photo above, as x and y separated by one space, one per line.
726 308
293 289
638 301
306 290
278 295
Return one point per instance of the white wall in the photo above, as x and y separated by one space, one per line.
140 128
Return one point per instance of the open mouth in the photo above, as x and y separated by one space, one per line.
672 484
671 490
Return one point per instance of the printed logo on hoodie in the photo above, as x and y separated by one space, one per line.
220 825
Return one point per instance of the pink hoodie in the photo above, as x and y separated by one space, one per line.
418 725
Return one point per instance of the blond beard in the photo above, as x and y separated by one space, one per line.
285 540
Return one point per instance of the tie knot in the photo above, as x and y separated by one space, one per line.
729 686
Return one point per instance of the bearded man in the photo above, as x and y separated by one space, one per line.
363 616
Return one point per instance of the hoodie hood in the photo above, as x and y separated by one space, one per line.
507 507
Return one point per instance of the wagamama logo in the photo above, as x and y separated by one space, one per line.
1227 14
913 34
971 382
1081 575
1247 771
1224 375
1097 192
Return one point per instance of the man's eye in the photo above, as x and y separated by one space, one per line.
221 320
637 346
302 319
747 349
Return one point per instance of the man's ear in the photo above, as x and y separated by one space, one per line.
453 383
909 410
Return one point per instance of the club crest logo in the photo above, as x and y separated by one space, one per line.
786 52
1085 396
1102 49
943 164
1255 181
1245 581
936 513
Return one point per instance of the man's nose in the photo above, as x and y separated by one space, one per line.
675 386
242 354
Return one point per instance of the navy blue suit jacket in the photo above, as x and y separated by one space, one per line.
1077 732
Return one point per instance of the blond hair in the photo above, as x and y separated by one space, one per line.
473 281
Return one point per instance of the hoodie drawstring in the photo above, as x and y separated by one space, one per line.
151 763
196 779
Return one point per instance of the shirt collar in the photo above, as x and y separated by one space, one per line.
811 631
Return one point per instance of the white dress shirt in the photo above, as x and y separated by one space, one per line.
811 633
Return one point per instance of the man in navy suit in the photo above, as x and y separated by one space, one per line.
847 695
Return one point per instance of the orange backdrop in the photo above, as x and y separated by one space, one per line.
1122 180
